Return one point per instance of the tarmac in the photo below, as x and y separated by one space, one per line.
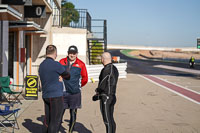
141 107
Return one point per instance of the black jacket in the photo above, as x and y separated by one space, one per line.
108 80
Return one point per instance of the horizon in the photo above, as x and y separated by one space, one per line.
173 23
154 45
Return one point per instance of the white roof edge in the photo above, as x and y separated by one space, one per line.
35 24
36 31
11 9
28 22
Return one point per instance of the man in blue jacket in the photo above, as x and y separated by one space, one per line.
52 90
79 78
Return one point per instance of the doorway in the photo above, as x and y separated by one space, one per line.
11 44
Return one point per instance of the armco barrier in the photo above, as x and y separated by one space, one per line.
94 71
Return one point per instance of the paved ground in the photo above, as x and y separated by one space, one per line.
142 107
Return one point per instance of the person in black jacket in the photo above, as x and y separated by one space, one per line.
106 91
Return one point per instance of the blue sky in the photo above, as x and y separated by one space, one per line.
173 23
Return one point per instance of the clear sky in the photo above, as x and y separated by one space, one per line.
173 23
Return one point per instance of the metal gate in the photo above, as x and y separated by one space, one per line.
97 43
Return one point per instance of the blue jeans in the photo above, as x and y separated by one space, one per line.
53 113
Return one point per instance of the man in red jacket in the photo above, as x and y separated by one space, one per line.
79 78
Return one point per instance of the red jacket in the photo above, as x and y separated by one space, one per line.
77 71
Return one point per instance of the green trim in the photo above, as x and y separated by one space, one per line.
127 51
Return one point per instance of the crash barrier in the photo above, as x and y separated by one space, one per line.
94 71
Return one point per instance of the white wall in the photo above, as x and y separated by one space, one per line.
63 41
64 37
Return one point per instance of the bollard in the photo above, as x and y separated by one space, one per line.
92 80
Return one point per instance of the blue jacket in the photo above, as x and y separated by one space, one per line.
78 78
49 72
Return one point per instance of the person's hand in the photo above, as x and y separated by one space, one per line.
60 79
97 90
96 97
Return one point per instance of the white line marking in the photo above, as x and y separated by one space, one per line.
170 90
177 85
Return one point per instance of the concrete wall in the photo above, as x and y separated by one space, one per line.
65 37
41 41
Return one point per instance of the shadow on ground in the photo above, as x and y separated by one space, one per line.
79 127
32 126
37 128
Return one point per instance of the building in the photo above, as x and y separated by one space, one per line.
25 28
28 26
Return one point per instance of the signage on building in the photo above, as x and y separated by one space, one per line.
17 2
31 90
198 43
36 11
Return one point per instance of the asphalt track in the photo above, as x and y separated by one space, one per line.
150 69
139 66
152 99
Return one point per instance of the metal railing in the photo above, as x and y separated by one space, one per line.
97 41
99 28
84 19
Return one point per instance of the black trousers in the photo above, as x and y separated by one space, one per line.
53 114
73 113
107 110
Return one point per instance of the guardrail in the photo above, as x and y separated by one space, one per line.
94 71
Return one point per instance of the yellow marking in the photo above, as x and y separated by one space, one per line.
32 76
92 80
31 94
31 82
33 89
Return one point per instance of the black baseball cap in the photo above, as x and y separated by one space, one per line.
73 49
